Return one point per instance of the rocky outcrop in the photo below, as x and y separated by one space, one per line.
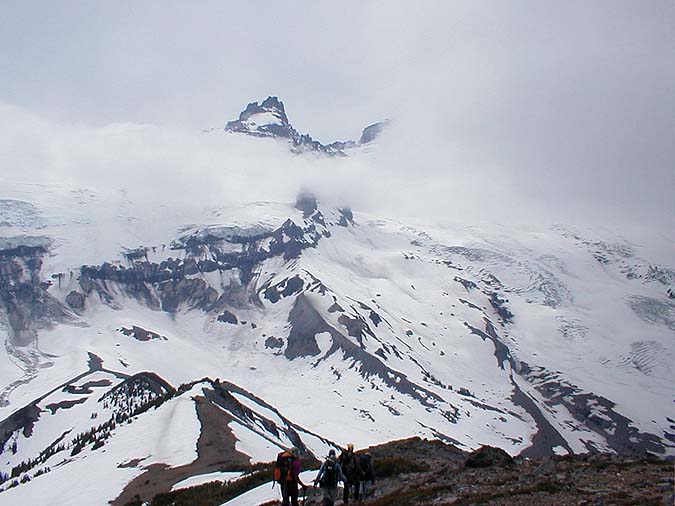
371 132
346 217
417 472
140 334
268 119
75 300
174 282
228 317
306 202
487 456
25 304
306 322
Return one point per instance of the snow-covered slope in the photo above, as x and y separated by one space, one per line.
110 428
356 328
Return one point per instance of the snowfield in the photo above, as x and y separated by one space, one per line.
337 328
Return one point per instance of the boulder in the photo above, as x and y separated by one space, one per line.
227 317
75 300
488 456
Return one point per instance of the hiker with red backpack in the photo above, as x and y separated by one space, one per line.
328 477
287 471
352 470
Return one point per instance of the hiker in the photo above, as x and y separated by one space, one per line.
368 467
352 470
328 477
287 473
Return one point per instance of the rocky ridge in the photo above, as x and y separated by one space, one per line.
419 472
268 119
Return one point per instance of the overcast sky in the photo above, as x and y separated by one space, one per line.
564 108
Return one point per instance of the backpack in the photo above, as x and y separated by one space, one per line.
282 468
350 465
367 466
329 478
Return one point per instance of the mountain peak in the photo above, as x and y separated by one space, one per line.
265 119
269 119
273 103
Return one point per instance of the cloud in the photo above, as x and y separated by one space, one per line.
541 111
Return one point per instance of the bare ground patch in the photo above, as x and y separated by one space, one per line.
215 449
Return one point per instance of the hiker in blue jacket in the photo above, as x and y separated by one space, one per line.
328 477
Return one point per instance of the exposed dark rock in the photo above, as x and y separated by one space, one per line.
87 387
470 304
346 217
207 266
274 342
594 412
191 267
54 407
371 132
306 323
140 334
194 292
86 284
23 419
547 467
222 396
136 254
24 301
335 308
268 119
487 456
417 472
228 317
499 304
468 284
306 202
284 288
501 353
356 327
546 437
75 300
164 285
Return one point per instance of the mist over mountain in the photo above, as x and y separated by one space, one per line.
228 230
142 305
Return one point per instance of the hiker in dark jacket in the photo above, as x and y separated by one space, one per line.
367 464
352 469
289 489
328 477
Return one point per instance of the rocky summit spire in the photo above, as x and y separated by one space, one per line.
263 120
268 119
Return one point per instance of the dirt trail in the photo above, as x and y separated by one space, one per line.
215 449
